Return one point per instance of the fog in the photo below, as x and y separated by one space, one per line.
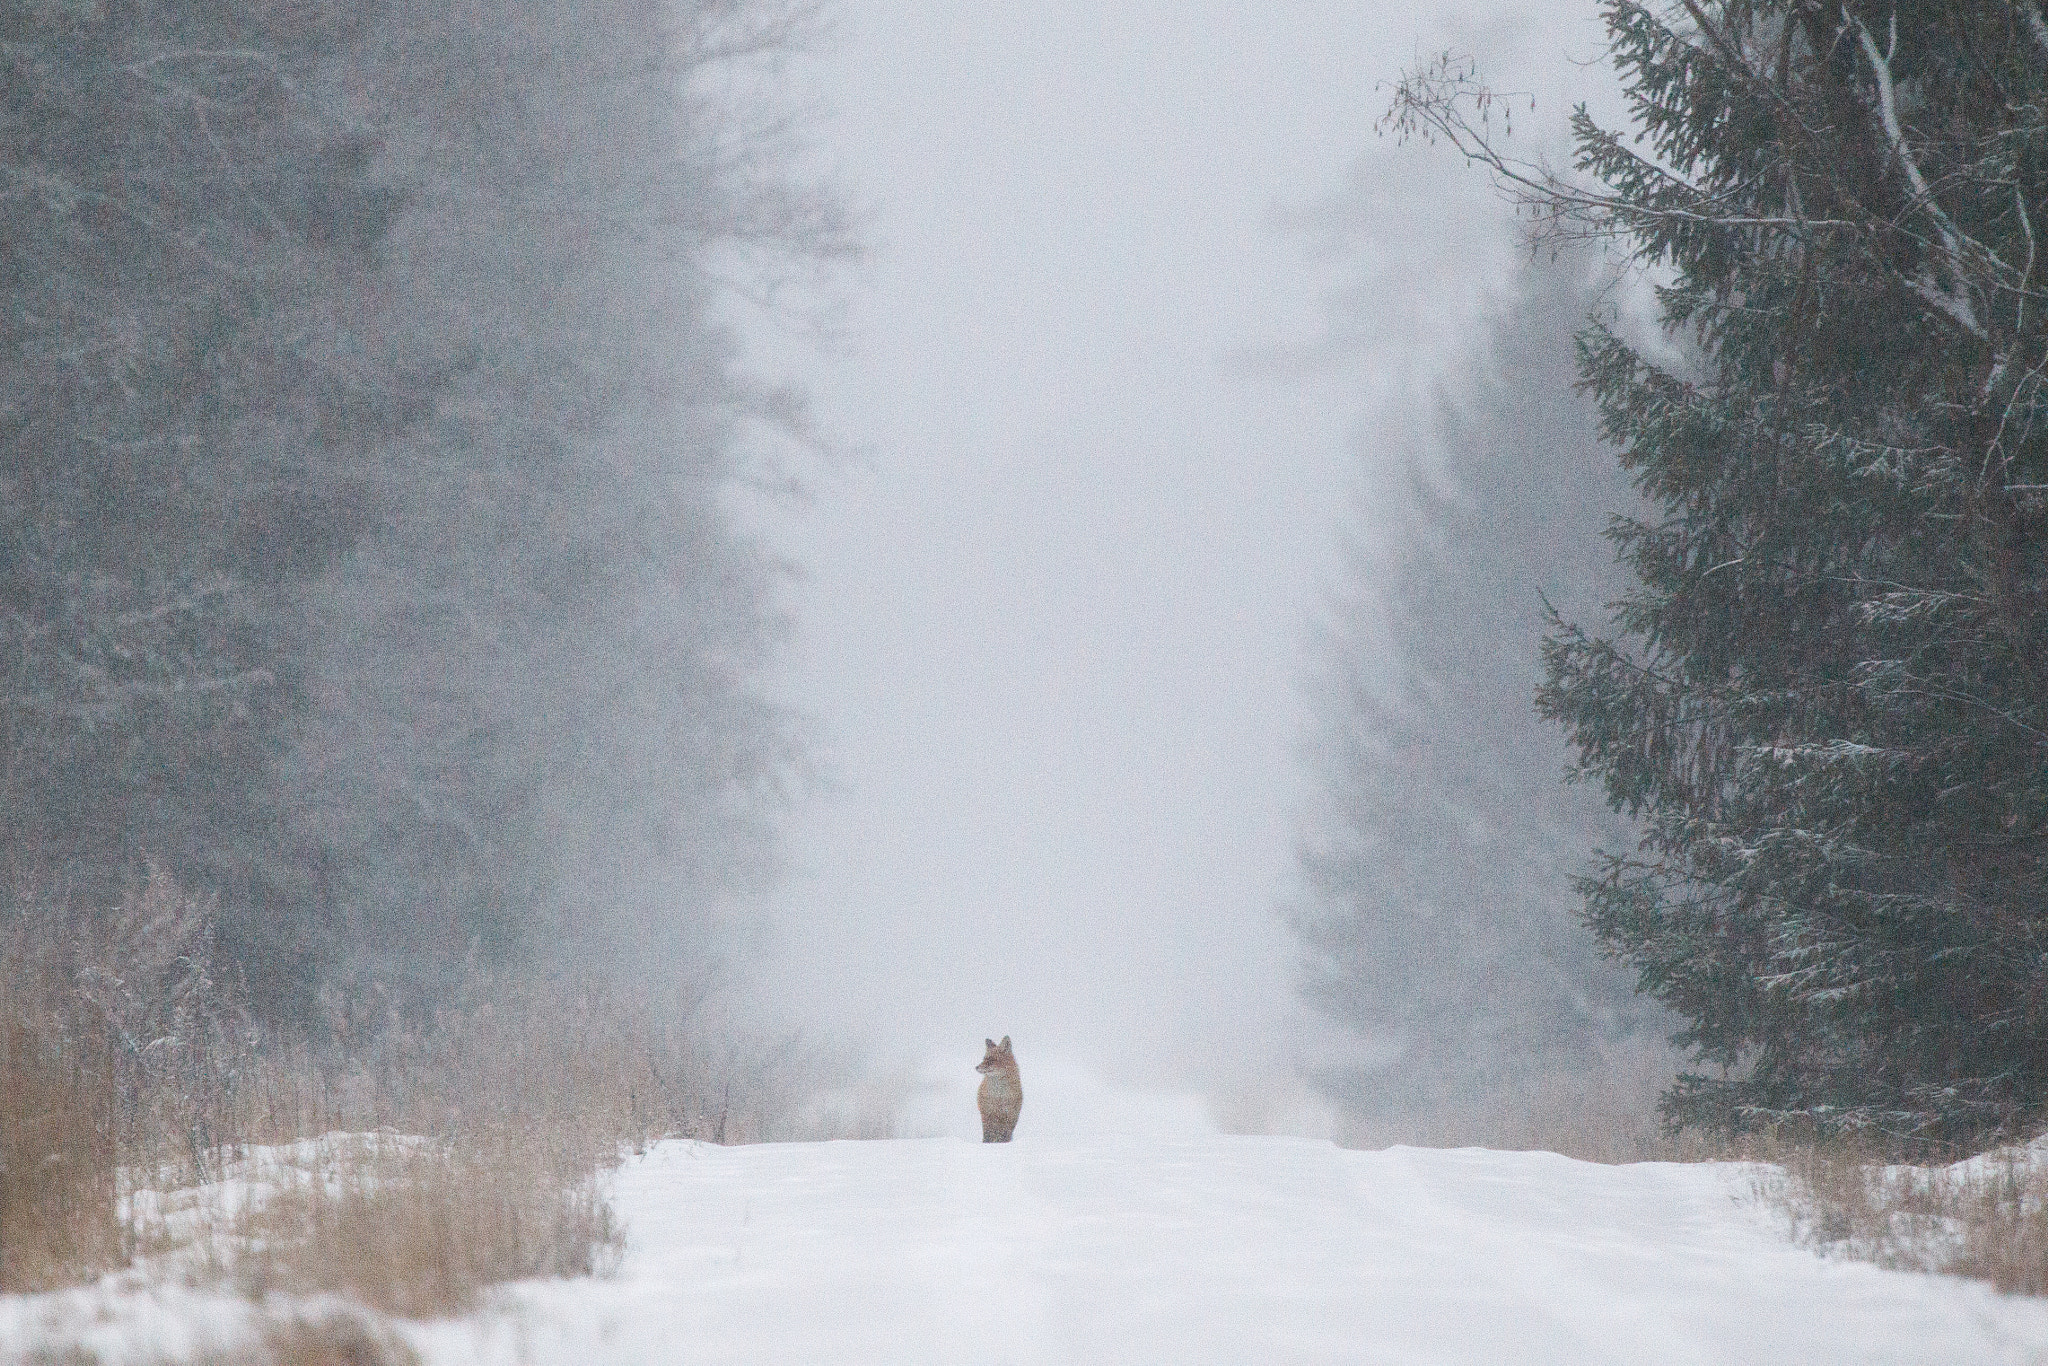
583 573
1145 295
396 549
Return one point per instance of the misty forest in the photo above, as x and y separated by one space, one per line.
593 592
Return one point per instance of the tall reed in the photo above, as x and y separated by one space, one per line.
133 1083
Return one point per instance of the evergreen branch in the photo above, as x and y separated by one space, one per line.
2031 12
250 56
1995 448
1721 42
1935 692
1954 302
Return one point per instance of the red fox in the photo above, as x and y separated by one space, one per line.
1001 1095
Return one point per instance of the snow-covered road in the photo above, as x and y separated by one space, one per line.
1121 1228
1137 1248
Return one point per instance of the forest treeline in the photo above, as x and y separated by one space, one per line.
1820 696
366 426
1435 895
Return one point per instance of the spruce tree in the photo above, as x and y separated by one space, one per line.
180 226
539 720
1826 695
368 421
1435 864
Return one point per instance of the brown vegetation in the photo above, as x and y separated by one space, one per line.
57 1119
417 1229
1986 1217
145 1120
333 1339
1867 1199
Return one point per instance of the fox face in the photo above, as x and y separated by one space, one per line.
997 1058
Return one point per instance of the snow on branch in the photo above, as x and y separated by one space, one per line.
2031 12
1953 301
99 659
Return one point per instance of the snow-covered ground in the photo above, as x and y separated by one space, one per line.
1124 1229
1223 1249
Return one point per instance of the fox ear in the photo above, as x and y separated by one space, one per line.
990 1042
1006 1043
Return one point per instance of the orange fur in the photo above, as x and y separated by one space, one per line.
1001 1096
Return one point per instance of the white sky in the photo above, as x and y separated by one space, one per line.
1053 625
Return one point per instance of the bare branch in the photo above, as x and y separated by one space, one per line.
1434 106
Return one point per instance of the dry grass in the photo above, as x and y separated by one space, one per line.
330 1339
1986 1217
323 1333
418 1229
57 1123
144 1120
522 1090
119 1049
56 1157
2005 1241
